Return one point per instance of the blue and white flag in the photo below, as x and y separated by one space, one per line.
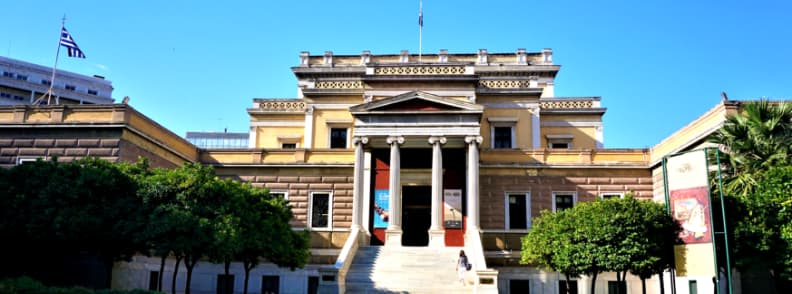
67 41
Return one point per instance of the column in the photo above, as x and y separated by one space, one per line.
393 234
473 183
436 230
357 192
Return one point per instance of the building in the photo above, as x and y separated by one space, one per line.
218 140
396 159
22 83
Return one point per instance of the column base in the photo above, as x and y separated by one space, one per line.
393 237
437 238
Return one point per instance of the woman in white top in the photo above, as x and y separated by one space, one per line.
462 265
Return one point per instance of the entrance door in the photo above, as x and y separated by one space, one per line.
416 215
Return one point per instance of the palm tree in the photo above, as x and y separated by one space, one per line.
753 141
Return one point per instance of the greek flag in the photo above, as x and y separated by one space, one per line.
67 41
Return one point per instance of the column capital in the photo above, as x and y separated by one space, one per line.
360 140
437 139
395 139
474 139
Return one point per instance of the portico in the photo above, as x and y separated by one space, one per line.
416 122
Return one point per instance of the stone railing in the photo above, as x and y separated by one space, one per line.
339 85
420 70
562 103
281 106
504 84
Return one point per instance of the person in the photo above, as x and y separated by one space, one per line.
462 264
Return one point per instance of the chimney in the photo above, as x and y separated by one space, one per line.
304 58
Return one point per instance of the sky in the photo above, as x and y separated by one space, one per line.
197 65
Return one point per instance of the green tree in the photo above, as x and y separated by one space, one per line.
757 138
550 244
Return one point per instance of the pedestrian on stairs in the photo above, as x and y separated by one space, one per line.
462 266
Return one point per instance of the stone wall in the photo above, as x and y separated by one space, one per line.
67 145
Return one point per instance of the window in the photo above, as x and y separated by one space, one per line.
5 95
519 286
46 82
338 138
289 145
563 200
154 281
313 285
559 141
609 195
21 77
502 137
616 287
93 92
283 194
319 216
23 160
70 87
559 145
270 284
8 74
518 211
225 284
563 286
692 287
20 98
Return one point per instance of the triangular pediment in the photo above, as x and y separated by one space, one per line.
417 101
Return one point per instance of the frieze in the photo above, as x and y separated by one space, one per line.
284 106
420 70
339 85
567 104
504 84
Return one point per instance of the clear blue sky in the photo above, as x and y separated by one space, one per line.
195 66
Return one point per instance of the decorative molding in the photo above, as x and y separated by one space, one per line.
395 139
360 140
572 124
505 84
476 139
339 84
282 106
567 104
436 139
277 123
420 70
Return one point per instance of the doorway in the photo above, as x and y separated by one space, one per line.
416 215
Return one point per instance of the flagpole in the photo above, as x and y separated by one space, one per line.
420 30
54 67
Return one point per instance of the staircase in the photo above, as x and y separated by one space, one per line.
380 269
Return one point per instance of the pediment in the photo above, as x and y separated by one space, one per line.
417 101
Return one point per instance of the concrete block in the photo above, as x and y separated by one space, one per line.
23 142
88 143
307 179
334 179
76 151
33 151
288 179
109 143
6 142
65 142
9 151
43 143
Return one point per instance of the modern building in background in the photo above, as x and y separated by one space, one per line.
218 140
23 82
393 163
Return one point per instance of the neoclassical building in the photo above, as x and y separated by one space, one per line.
394 163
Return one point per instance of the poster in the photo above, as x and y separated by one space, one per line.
690 207
381 208
452 208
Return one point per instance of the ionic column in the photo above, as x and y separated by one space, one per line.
473 183
357 191
436 230
393 233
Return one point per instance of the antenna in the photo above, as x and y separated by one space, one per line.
420 30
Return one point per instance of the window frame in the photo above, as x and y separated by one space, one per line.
329 226
507 219
283 145
564 193
70 87
559 139
330 137
284 192
503 122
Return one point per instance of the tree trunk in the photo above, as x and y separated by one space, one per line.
594 281
567 284
175 272
161 272
662 284
643 285
189 263
248 267
227 265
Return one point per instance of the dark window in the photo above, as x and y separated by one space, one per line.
46 82
564 201
70 87
338 138
559 145
519 286
563 286
21 77
225 284
270 284
502 137
313 285
517 211
5 95
8 74
20 98
154 281
692 287
93 92
320 210
616 287
289 145
610 196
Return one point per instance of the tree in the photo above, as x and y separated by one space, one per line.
615 235
754 140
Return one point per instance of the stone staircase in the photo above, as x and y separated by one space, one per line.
381 269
